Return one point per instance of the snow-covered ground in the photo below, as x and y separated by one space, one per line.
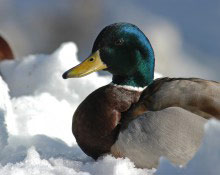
36 119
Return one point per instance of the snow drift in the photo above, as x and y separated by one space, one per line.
36 119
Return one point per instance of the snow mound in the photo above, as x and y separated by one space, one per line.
38 113
5 109
34 165
41 96
43 73
53 116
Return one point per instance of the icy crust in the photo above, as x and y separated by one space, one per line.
36 119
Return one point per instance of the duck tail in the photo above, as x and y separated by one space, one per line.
5 50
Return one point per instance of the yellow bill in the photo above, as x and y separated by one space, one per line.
91 64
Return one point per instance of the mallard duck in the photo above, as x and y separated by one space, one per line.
135 116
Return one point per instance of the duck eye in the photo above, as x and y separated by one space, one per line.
91 59
119 42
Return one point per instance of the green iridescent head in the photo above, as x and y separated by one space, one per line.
123 50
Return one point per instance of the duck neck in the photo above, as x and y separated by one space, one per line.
142 78
139 80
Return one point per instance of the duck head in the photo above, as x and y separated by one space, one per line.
124 51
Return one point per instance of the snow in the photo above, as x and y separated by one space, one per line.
36 84
4 110
33 164
36 119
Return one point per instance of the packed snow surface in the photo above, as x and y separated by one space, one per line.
36 109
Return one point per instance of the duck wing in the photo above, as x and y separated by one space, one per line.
174 133
201 97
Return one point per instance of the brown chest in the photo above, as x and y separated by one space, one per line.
95 122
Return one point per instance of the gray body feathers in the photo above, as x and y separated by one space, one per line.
173 133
